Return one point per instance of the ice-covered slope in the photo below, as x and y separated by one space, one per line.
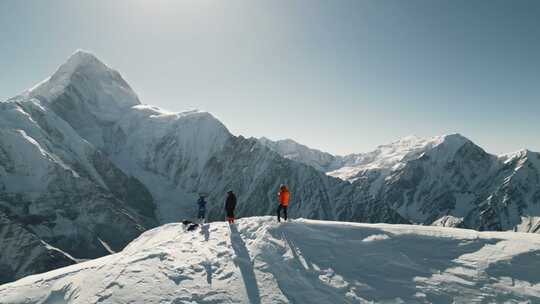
304 261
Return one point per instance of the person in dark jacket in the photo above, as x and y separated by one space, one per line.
230 204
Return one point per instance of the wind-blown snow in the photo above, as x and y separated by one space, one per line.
303 261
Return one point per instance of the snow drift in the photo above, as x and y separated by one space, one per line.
303 261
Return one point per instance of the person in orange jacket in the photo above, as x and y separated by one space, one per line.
283 197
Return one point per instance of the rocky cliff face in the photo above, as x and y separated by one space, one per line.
23 253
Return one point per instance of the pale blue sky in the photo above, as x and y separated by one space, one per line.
341 76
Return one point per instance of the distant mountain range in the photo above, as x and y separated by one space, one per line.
85 168
444 180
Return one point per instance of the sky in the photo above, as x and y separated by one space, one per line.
340 76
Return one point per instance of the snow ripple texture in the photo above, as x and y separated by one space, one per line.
303 261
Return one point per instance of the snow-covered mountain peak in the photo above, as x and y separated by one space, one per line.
410 139
290 146
523 153
412 142
445 147
81 62
157 112
454 140
201 121
84 83
293 150
522 156
386 157
82 59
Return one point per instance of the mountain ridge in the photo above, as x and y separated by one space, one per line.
85 167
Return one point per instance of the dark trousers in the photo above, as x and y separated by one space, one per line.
230 215
284 208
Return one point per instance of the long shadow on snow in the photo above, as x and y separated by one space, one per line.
522 267
244 262
382 269
205 231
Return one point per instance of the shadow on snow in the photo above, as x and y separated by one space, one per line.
243 261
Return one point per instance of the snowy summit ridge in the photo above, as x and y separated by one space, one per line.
385 157
303 261
103 90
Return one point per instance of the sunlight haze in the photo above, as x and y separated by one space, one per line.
340 76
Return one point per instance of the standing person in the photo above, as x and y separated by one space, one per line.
283 197
230 204
202 208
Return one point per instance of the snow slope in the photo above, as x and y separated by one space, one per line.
303 261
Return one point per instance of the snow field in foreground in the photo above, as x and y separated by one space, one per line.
303 261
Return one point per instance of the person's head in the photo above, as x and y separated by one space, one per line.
283 187
230 192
